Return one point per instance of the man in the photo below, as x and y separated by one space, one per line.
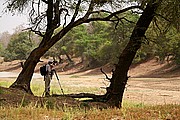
48 77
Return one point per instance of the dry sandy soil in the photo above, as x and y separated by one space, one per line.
150 82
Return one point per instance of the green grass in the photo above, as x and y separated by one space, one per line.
37 87
1 91
29 113
5 84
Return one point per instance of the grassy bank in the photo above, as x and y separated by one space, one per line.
129 111
165 112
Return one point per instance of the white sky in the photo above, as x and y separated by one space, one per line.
8 22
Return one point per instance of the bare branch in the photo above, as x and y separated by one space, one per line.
122 11
128 20
162 17
100 11
108 18
116 24
90 9
36 32
49 15
76 11
156 24
31 13
39 6
56 20
105 75
104 19
67 14
117 12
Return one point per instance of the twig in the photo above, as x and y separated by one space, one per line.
105 75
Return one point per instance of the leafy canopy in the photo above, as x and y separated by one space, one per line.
19 47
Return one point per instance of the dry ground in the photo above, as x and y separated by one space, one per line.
150 82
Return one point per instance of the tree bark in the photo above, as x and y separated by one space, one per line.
24 78
119 78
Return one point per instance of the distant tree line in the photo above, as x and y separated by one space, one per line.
98 43
19 46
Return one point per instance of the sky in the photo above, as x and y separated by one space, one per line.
9 22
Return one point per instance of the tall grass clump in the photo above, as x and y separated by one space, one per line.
50 111
162 112
159 112
29 113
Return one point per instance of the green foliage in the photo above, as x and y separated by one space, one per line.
1 91
118 38
97 43
89 42
19 47
163 42
104 52
1 49
170 10
174 44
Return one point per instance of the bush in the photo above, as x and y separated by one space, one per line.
19 47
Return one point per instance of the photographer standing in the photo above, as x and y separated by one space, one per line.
48 77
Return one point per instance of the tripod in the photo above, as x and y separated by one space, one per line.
58 81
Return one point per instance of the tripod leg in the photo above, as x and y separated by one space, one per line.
60 87
59 82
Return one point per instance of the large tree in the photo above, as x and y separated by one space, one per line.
47 15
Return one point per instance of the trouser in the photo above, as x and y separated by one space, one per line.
47 84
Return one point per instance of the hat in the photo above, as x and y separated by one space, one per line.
50 61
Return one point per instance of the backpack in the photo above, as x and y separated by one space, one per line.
43 70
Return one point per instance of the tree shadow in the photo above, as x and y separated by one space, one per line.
89 97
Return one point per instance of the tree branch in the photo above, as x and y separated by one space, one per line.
90 9
117 12
36 32
122 11
49 16
105 75
67 14
56 21
162 17
76 11
108 18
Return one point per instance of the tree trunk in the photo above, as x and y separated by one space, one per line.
60 59
68 57
119 78
24 78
